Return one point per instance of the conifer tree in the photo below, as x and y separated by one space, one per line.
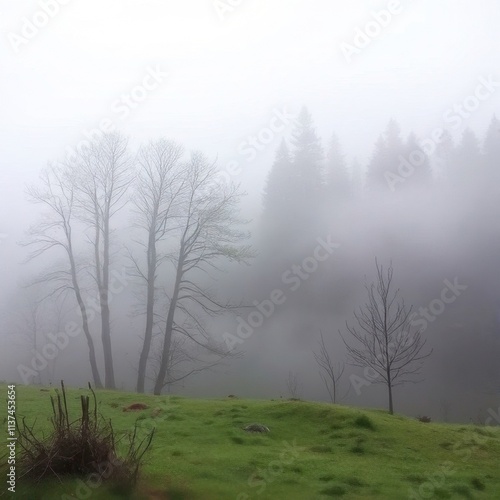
467 160
377 165
277 190
307 155
338 183
444 154
420 172
292 196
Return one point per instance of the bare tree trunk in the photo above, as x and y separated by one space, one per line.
148 332
391 407
35 343
109 374
102 177
169 327
208 233
85 322
156 196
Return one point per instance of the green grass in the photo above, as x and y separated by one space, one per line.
313 451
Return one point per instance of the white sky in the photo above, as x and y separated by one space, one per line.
227 76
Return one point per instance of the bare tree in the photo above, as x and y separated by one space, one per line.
157 192
386 341
330 372
54 231
208 234
103 174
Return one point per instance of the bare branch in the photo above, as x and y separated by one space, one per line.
384 338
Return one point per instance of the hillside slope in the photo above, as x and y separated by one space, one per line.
313 451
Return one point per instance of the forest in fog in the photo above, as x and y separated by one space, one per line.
142 273
261 199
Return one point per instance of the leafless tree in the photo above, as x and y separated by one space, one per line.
55 231
208 233
385 340
330 373
158 188
103 174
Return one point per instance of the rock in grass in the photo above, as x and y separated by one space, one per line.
256 428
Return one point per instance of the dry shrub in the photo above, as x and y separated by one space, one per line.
79 448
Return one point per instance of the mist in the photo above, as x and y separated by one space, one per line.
334 138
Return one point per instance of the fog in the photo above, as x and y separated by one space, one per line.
409 90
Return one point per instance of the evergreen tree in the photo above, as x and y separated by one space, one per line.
393 138
395 153
277 192
467 160
307 182
375 174
356 177
277 200
444 154
338 183
420 172
294 187
396 163
307 154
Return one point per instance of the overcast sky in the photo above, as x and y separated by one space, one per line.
229 72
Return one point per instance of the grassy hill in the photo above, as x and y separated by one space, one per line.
313 451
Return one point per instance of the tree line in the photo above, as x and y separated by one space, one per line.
305 180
